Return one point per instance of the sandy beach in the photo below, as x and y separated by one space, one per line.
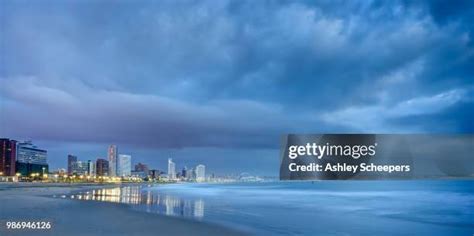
33 202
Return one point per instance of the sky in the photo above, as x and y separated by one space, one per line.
219 82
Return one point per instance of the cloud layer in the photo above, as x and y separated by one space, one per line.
232 74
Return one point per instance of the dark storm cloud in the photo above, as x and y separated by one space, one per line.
85 114
232 73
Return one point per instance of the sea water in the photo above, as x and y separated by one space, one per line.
441 207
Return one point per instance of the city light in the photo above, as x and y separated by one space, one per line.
115 168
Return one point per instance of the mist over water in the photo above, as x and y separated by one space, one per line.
324 207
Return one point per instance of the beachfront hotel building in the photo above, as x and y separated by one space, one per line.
200 173
102 167
171 169
29 153
124 165
70 160
30 159
7 157
80 168
112 157
91 168
76 167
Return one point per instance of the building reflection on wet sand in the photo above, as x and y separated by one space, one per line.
148 200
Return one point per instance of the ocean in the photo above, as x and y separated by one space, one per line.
413 207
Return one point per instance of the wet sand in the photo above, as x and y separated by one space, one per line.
33 202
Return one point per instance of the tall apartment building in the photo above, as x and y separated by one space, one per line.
7 157
112 157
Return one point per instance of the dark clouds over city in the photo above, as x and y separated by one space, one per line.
221 80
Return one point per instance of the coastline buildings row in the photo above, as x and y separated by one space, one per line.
22 158
25 160
197 174
117 165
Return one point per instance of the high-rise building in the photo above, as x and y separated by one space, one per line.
184 172
190 174
80 168
112 157
140 167
7 157
124 165
29 153
91 168
171 169
30 159
70 160
102 167
200 173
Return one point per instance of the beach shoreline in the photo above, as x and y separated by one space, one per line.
34 202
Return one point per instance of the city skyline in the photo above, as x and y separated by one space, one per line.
157 163
219 83
25 161
123 170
